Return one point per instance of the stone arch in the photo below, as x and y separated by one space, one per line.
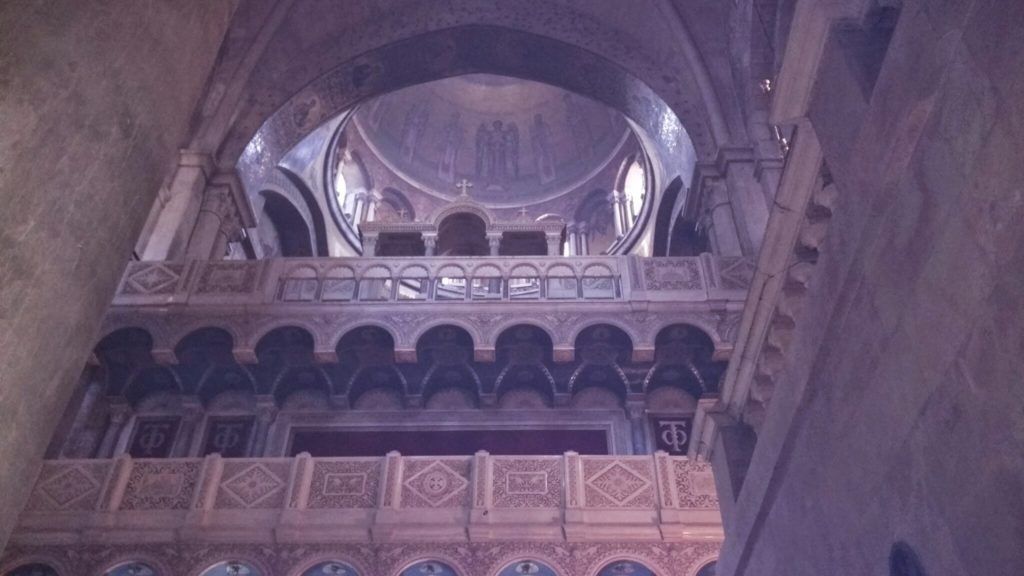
456 208
431 55
474 334
151 380
122 560
178 336
219 380
203 567
343 559
507 560
628 330
701 563
452 564
605 562
350 328
293 232
258 336
29 559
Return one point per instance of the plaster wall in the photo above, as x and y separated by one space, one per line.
898 416
95 97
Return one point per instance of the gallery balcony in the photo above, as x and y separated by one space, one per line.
571 497
407 296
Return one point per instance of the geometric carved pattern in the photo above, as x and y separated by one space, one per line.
63 487
696 484
673 274
435 483
155 485
618 483
736 273
152 278
348 483
249 485
528 482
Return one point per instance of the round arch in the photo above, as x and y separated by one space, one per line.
279 123
345 560
599 567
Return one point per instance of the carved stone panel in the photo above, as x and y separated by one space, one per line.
618 483
528 482
428 483
253 484
161 485
349 483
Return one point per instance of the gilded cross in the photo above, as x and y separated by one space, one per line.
401 213
522 213
464 186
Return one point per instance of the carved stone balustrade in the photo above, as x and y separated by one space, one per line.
655 498
484 295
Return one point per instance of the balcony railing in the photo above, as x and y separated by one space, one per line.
480 497
484 295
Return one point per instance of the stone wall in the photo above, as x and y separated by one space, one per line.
95 99
903 378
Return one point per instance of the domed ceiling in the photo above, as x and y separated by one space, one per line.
518 142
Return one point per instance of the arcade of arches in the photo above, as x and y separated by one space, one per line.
537 287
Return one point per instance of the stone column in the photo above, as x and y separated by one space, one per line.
192 417
616 199
722 231
570 239
166 235
370 244
583 237
217 208
266 413
80 442
494 241
358 206
638 426
119 414
554 240
430 243
373 201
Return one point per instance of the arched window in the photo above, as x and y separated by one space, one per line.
331 568
635 189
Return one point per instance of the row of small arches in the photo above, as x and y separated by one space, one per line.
430 567
304 271
293 346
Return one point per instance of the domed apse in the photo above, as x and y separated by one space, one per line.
516 150
521 149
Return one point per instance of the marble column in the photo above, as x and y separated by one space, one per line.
266 413
571 239
358 206
618 201
80 442
206 235
119 414
370 244
554 241
373 201
430 243
583 238
494 242
166 235
637 413
192 417
722 230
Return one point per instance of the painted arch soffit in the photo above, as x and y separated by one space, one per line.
460 51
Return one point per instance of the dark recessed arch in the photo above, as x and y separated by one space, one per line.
293 233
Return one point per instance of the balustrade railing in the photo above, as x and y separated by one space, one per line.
447 279
480 496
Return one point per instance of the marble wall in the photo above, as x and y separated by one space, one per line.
91 123
897 416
